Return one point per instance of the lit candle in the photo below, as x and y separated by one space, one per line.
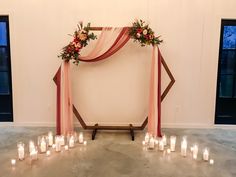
191 148
13 162
43 145
146 139
71 142
164 139
85 143
81 138
58 143
172 143
21 151
62 139
48 153
143 143
151 143
211 161
161 145
50 138
31 146
205 154
34 154
195 151
184 145
168 151
66 147
156 142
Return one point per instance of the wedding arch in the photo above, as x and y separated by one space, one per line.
109 42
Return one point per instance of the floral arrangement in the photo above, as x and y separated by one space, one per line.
81 37
142 33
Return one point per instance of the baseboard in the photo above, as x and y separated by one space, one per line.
169 125
27 124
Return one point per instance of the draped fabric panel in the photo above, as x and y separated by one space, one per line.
108 43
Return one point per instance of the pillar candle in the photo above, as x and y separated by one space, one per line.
146 139
172 143
151 143
62 140
164 139
205 154
34 154
161 145
71 142
184 145
50 139
13 162
195 151
21 151
43 145
31 146
58 143
81 138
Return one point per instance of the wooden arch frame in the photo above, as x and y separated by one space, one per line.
130 127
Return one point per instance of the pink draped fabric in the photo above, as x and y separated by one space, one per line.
109 42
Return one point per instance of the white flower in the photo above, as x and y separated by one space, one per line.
145 32
138 35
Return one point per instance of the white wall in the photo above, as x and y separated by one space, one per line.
116 90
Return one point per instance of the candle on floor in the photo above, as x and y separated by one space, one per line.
164 139
168 151
184 146
191 148
161 145
34 154
62 140
146 138
81 138
58 143
43 145
85 143
50 139
211 161
21 150
53 146
13 162
48 153
66 147
195 151
156 141
151 143
71 141
143 142
31 146
205 154
172 143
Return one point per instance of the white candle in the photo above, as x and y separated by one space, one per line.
21 151
143 143
205 154
58 143
191 149
13 162
43 145
211 161
50 138
71 142
172 143
53 146
151 143
164 139
34 154
161 145
195 151
146 139
62 139
156 142
168 151
31 146
184 145
81 138
85 143
66 147
48 153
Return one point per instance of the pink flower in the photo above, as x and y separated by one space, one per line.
138 35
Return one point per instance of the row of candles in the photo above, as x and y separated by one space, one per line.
46 141
150 142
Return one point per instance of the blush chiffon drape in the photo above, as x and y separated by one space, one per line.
108 43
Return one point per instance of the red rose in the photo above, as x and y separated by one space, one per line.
139 30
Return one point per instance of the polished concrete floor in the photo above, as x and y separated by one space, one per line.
115 155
